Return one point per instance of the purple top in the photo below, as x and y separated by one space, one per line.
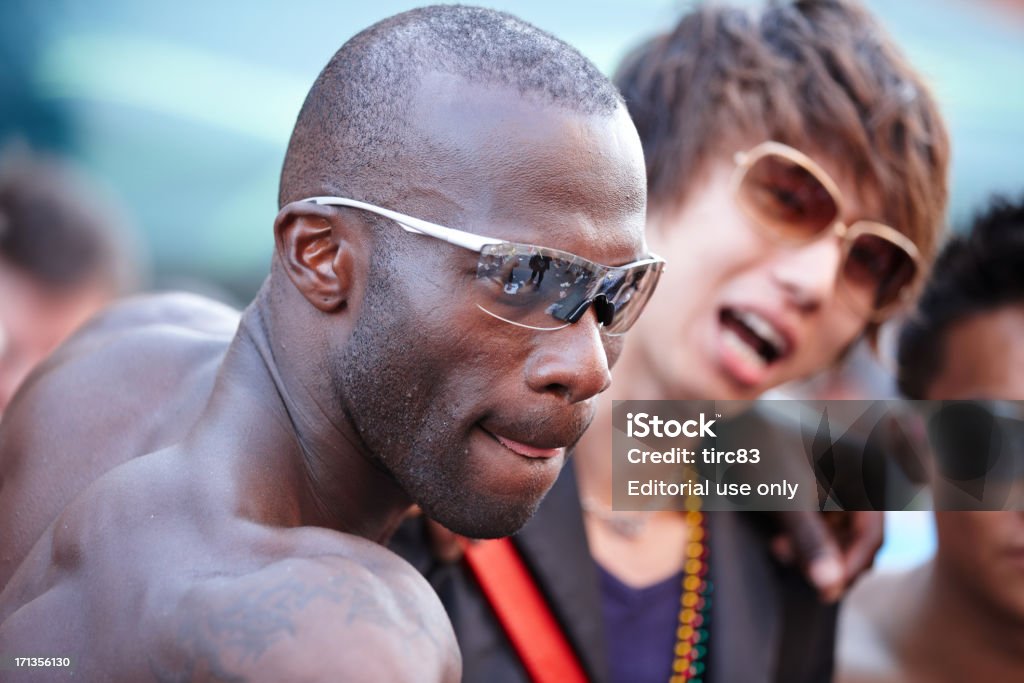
640 627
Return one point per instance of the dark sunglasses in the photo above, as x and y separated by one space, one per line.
537 287
793 200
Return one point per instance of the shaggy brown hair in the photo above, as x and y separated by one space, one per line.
819 75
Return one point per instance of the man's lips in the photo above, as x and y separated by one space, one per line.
527 450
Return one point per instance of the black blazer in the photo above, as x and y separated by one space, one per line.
766 622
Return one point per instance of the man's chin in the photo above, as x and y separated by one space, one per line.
493 519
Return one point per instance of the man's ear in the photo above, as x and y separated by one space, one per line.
316 252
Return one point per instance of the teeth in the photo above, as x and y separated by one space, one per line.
740 347
763 329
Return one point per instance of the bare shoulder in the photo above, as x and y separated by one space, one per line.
131 382
169 309
149 338
870 628
360 613
186 591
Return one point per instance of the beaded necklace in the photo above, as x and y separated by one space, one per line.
690 654
691 649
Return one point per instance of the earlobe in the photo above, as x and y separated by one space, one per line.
316 255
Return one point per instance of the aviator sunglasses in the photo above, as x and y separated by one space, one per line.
536 287
792 200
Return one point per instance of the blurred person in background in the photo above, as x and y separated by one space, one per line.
65 252
797 183
960 616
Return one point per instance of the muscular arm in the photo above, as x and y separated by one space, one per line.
146 576
133 381
327 619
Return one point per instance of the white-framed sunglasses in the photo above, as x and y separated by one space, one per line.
537 287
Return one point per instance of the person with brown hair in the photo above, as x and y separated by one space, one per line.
796 172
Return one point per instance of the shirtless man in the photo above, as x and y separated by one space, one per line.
378 367
960 616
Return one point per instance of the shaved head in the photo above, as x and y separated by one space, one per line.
352 136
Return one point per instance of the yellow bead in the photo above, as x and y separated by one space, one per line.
691 583
693 566
694 549
687 616
689 600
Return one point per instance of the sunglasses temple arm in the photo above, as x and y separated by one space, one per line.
466 240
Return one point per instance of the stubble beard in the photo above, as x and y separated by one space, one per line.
386 380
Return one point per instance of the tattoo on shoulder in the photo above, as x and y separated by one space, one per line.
224 635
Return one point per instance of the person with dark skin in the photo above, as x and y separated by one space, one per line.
960 615
359 382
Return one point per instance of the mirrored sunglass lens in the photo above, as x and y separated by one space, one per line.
877 270
629 294
786 198
532 288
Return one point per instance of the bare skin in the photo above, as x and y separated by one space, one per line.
247 583
250 549
921 626
34 319
960 616
177 341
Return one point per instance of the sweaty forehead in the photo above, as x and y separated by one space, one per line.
525 170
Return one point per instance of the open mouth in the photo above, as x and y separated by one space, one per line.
754 340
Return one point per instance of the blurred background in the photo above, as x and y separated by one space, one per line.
182 110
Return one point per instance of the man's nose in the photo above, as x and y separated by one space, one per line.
808 274
572 362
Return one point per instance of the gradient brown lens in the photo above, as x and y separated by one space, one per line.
786 198
876 271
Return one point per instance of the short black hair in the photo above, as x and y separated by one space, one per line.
354 118
977 272
58 228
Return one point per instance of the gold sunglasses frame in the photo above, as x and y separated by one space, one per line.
846 233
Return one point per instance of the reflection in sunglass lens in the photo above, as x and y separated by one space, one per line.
532 288
876 271
537 288
628 294
787 198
